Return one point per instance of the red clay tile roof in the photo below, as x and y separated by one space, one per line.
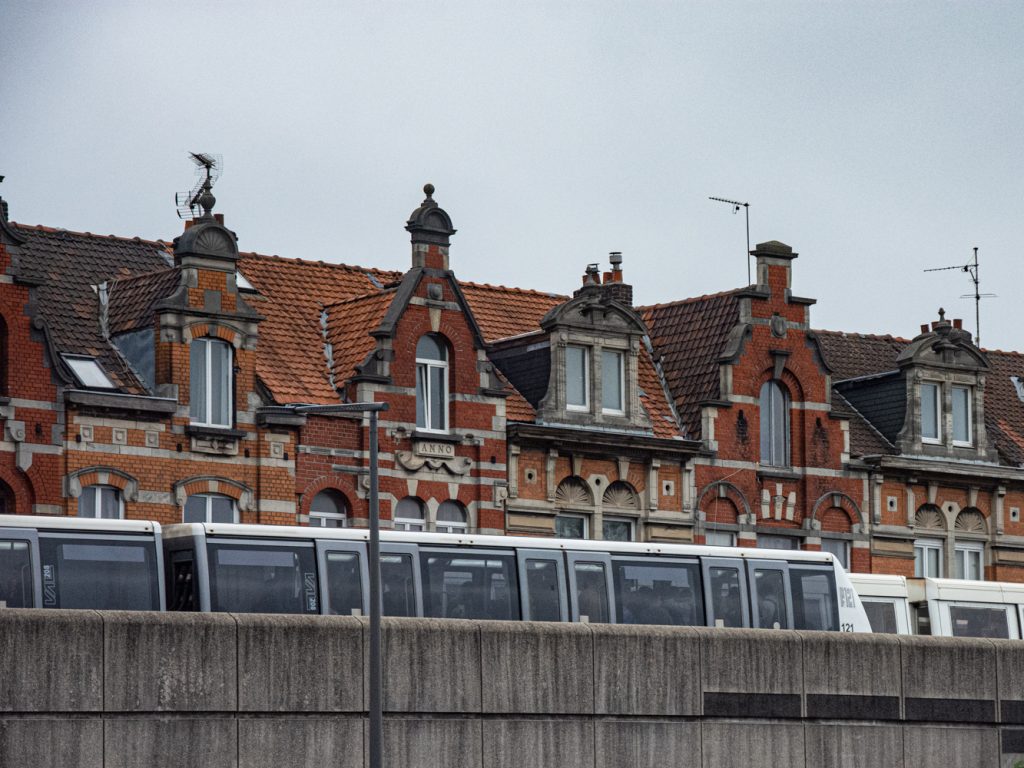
132 299
688 336
293 293
348 330
67 265
502 312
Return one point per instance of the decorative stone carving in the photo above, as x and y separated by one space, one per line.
573 492
219 446
620 495
435 455
970 521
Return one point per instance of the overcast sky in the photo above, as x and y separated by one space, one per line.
878 139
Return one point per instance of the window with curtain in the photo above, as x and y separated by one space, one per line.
409 515
451 517
210 508
612 382
930 413
577 378
962 427
102 501
210 391
328 510
774 425
431 384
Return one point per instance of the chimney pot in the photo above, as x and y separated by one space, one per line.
924 327
958 323
607 278
220 218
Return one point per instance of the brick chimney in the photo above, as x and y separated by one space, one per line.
609 284
774 266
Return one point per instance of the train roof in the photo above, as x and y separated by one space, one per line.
472 540
48 523
878 584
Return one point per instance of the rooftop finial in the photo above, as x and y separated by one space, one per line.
942 314
209 168
428 190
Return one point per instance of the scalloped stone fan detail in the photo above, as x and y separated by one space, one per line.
929 517
621 495
573 492
970 521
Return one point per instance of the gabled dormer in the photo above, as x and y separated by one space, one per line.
944 383
595 343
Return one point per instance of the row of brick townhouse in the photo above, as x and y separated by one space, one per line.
190 381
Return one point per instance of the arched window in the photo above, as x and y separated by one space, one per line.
774 425
101 501
7 506
930 547
328 509
409 514
431 384
451 517
4 362
210 508
210 387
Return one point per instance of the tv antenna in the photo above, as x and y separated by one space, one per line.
208 169
971 268
736 205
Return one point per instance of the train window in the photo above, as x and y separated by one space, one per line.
544 597
263 579
183 595
470 585
770 592
649 592
15 574
814 598
103 574
726 595
345 583
398 585
979 622
881 615
592 592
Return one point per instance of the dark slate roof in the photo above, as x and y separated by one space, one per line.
881 399
65 266
689 336
527 366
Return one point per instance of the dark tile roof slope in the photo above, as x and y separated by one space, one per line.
689 336
67 265
292 296
133 299
856 354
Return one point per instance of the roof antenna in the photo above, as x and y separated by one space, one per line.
971 268
736 205
208 169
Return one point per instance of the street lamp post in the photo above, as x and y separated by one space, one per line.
376 606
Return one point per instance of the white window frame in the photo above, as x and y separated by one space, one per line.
425 365
410 523
98 502
585 406
778 537
925 545
970 416
775 389
209 497
627 520
621 411
208 344
969 549
584 518
730 535
937 440
844 559
321 516
450 526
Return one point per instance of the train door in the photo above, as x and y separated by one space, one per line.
20 586
262 575
725 592
344 577
590 586
771 600
542 585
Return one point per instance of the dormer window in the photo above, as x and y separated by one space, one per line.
962 427
613 382
210 390
577 378
931 414
774 425
431 384
88 372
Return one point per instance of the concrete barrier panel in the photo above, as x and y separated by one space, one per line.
50 661
930 746
854 746
949 680
646 744
438 743
562 743
163 742
537 667
51 742
1010 680
646 670
179 662
851 676
290 663
751 673
286 742
742 744
429 665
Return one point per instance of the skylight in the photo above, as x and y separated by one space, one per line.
88 372
242 283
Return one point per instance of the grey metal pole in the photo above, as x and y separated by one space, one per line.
376 678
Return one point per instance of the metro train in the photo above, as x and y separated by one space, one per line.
64 562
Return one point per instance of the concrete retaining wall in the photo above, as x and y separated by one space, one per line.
83 689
